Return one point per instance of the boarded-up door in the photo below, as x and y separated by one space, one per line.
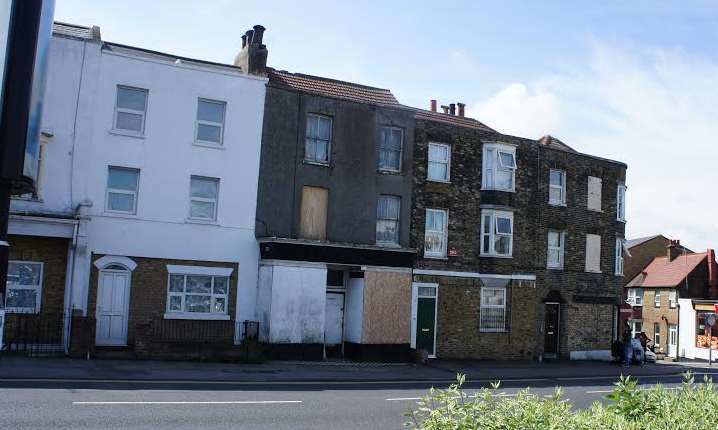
313 221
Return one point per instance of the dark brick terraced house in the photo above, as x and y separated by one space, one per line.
520 243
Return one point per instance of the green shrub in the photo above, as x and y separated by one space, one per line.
690 407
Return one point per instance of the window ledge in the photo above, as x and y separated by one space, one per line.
436 257
498 189
118 214
495 256
28 199
557 268
208 145
622 220
390 172
598 211
316 163
388 245
201 221
558 205
195 316
126 133
438 181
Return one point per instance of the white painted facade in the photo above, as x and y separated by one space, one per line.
83 76
687 331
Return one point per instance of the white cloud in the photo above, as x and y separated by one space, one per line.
653 109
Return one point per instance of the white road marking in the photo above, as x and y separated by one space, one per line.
228 402
469 396
599 391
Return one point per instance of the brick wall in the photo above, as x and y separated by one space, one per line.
148 291
52 252
662 315
587 315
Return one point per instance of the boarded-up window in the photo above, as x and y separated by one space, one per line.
313 223
594 193
593 253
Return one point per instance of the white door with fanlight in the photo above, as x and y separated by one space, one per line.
113 299
672 340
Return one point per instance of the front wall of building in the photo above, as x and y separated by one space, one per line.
587 299
352 178
148 291
52 252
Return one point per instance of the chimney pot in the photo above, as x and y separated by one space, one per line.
452 109
244 40
258 34
674 250
445 109
250 35
461 108
433 105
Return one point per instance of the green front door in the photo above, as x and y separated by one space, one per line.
425 313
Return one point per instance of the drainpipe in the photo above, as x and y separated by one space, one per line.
71 276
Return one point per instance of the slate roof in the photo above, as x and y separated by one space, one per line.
461 121
664 273
76 31
552 142
332 88
635 242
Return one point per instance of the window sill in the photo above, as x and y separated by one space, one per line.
622 221
492 331
28 199
389 172
117 214
557 268
22 311
598 211
438 181
387 245
593 271
201 221
495 256
557 205
126 133
208 145
195 316
436 257
498 189
316 163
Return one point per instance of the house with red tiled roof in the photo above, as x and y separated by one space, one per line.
655 291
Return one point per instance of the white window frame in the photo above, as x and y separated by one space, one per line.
657 299
492 234
633 323
635 296
620 260
314 139
657 335
561 188
560 249
134 194
401 149
36 288
673 299
118 109
203 199
397 220
488 174
589 240
447 162
483 305
444 234
199 122
184 271
621 203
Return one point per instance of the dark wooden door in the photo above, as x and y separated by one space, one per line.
551 328
425 318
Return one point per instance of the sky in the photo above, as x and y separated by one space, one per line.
632 81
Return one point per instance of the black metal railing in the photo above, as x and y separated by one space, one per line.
33 334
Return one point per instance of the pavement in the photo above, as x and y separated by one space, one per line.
12 367
73 394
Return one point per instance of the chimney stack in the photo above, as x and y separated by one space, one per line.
452 109
461 108
674 249
432 103
445 109
252 57
712 274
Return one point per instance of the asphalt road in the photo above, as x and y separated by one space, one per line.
79 405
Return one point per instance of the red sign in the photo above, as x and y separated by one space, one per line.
453 253
716 307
